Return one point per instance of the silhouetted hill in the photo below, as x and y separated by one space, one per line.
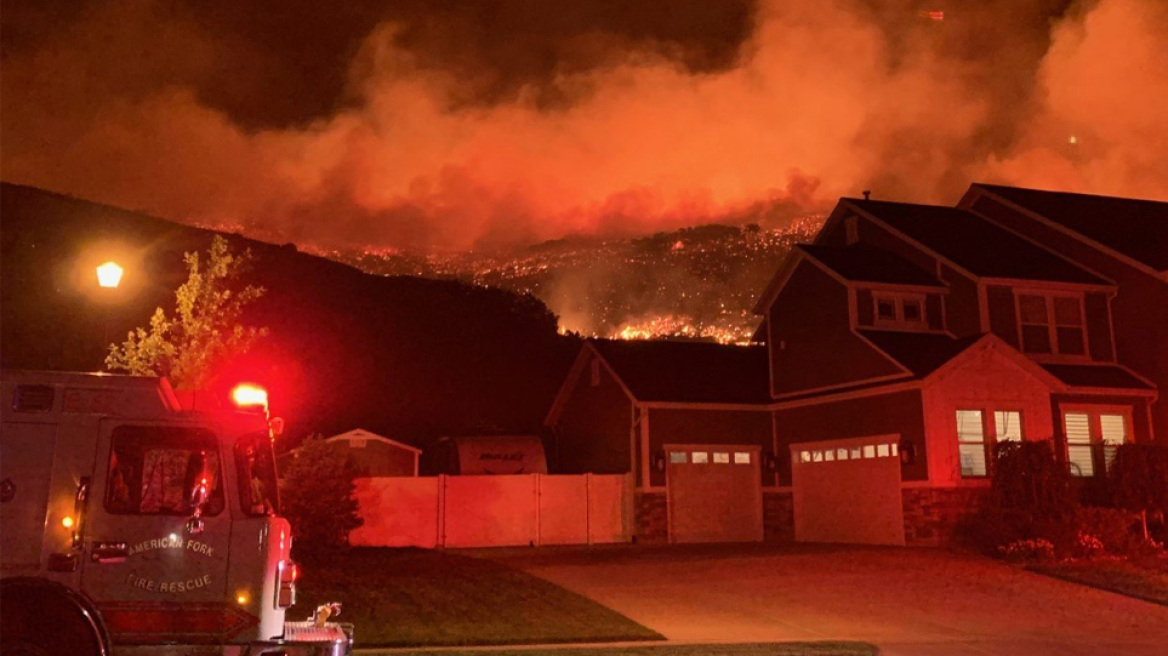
407 357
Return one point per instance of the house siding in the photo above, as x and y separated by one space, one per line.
898 413
1003 313
963 305
1139 311
811 341
592 432
677 426
1098 327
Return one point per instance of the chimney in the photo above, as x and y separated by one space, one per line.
867 193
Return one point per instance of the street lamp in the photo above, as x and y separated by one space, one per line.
109 275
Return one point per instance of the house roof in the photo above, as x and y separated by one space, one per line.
1097 375
976 245
688 372
1135 228
865 264
920 353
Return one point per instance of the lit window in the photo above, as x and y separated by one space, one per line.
722 458
1051 324
971 442
677 457
829 455
882 451
741 458
1008 425
700 457
804 456
1092 439
855 453
869 451
816 456
841 454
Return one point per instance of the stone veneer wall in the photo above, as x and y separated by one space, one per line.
778 516
933 516
652 520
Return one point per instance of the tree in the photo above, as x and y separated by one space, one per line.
205 330
317 495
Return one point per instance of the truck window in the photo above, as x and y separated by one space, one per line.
257 475
152 470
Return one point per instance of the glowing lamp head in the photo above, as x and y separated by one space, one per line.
67 522
248 395
109 275
242 597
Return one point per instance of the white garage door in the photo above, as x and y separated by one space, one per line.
715 494
848 491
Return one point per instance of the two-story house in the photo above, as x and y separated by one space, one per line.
900 347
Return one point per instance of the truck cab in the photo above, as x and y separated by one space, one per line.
136 523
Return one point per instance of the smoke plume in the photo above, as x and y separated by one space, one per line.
611 133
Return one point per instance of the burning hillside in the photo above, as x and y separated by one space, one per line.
694 283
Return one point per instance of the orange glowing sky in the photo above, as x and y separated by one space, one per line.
609 131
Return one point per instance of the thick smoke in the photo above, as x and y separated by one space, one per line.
824 98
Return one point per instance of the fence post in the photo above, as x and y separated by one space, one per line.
538 518
588 506
441 509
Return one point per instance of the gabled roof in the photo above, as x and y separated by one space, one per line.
1099 376
920 353
866 264
1135 228
362 434
974 244
688 372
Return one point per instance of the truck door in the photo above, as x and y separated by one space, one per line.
157 573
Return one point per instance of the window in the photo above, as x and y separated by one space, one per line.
974 449
905 311
721 458
256 467
358 442
741 457
677 457
153 470
1093 437
1051 324
971 442
700 457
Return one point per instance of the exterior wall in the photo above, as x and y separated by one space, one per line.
652 517
935 312
1099 327
592 433
1003 314
669 426
987 381
778 516
811 342
898 413
1139 311
935 516
962 306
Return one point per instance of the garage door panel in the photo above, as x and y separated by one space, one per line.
718 500
848 492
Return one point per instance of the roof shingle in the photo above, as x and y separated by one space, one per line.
689 372
864 264
976 245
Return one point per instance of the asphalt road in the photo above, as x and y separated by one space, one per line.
909 602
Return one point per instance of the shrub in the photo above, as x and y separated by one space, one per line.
317 495
1117 530
1138 481
1036 549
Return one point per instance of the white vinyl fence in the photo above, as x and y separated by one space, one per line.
494 511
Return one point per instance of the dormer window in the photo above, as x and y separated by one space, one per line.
1051 324
900 311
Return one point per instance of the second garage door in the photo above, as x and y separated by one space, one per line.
715 494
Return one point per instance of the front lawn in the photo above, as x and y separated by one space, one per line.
1142 578
827 648
417 597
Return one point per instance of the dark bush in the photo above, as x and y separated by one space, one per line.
1138 481
317 495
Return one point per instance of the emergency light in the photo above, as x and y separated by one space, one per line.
248 395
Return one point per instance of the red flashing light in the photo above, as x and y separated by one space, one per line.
248 395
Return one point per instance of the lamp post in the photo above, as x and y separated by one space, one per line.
109 276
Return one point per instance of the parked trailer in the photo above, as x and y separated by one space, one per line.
130 525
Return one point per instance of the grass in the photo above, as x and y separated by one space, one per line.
831 648
1142 578
415 597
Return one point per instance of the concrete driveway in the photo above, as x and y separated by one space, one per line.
909 602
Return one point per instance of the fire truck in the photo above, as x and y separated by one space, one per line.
135 523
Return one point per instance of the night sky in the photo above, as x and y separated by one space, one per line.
452 125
